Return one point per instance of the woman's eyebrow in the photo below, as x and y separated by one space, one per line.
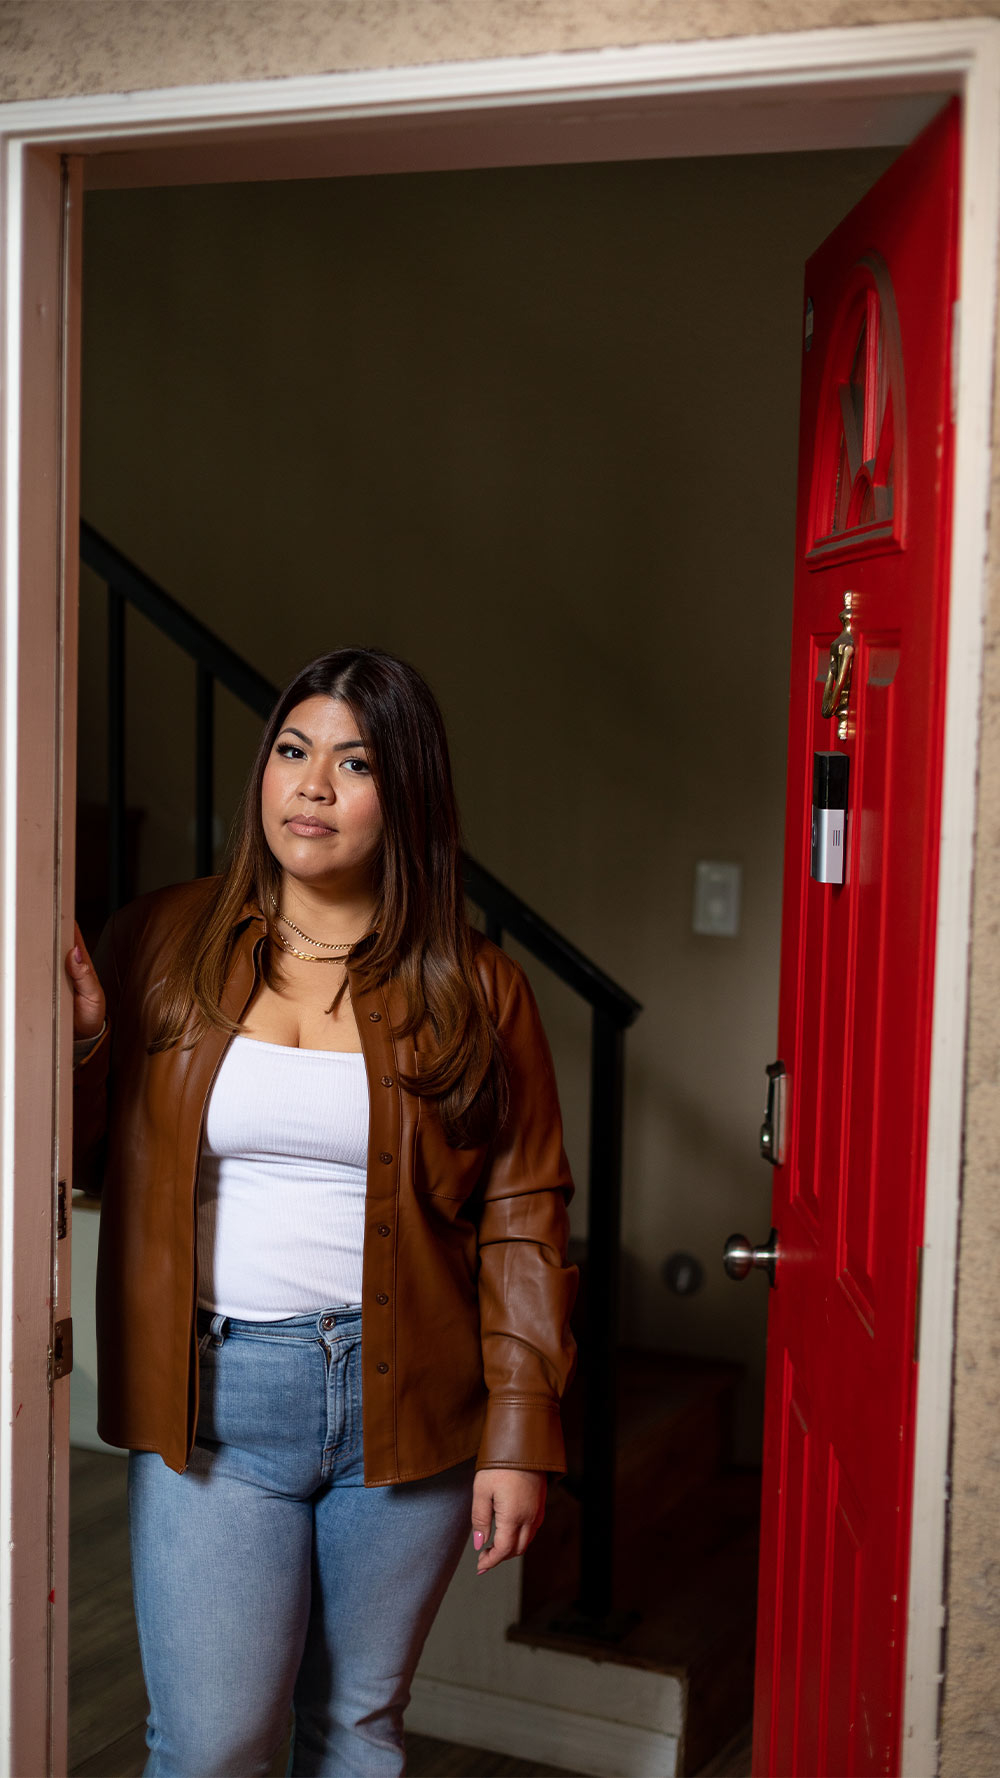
340 747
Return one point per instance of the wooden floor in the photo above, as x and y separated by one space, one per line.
107 1698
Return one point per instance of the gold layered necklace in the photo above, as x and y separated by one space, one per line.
319 944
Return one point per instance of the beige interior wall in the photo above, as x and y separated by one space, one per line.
536 431
50 47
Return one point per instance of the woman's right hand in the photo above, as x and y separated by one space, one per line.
88 995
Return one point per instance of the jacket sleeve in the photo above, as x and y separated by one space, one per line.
91 1073
526 1289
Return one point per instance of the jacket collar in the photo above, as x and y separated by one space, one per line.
250 911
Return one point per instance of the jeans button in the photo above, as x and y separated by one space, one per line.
327 1321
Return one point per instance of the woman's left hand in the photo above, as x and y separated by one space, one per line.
516 1499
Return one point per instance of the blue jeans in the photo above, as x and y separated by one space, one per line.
268 1576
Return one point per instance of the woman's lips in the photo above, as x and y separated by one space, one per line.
308 829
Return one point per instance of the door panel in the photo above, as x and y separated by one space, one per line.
856 974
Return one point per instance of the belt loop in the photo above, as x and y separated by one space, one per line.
215 1334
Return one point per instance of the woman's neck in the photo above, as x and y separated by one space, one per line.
336 915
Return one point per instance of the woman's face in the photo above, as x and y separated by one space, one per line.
321 814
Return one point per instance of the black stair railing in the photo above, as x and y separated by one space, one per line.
612 1011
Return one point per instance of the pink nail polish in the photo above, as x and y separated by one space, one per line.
478 1539
77 954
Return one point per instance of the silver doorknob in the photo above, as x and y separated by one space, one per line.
739 1258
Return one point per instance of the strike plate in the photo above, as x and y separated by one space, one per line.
62 1348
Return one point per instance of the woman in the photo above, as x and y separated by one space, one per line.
332 1294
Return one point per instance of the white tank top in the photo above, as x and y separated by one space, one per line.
281 1182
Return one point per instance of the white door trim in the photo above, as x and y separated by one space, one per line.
815 79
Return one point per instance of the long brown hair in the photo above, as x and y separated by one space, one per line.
422 938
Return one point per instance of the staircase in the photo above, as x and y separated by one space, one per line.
685 1546
647 1556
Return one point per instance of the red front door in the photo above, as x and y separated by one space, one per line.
857 973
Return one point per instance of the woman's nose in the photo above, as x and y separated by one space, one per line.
316 786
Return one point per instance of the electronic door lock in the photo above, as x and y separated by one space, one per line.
831 772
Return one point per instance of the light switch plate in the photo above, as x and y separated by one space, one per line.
718 891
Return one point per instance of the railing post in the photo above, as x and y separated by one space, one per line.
600 1331
204 774
116 749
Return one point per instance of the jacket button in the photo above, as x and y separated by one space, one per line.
375 1017
385 1156
384 1229
380 1296
382 1367
387 1080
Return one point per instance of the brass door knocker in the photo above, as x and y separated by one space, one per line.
837 690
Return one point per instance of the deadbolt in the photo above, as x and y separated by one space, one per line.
739 1258
772 1130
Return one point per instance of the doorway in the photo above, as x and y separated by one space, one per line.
965 63
490 420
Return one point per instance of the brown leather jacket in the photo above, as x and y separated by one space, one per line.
465 1343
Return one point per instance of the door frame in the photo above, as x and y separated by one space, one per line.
828 88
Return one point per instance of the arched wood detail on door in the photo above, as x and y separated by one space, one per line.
859 481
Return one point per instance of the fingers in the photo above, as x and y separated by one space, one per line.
88 995
504 1544
511 1538
513 1502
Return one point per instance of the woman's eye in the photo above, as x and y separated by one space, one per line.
288 750
363 763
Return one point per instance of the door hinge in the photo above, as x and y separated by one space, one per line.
61 1350
62 1224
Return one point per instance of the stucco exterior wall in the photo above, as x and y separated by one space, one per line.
51 47
58 47
971 1716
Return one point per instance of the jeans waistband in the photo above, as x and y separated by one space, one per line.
341 1318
